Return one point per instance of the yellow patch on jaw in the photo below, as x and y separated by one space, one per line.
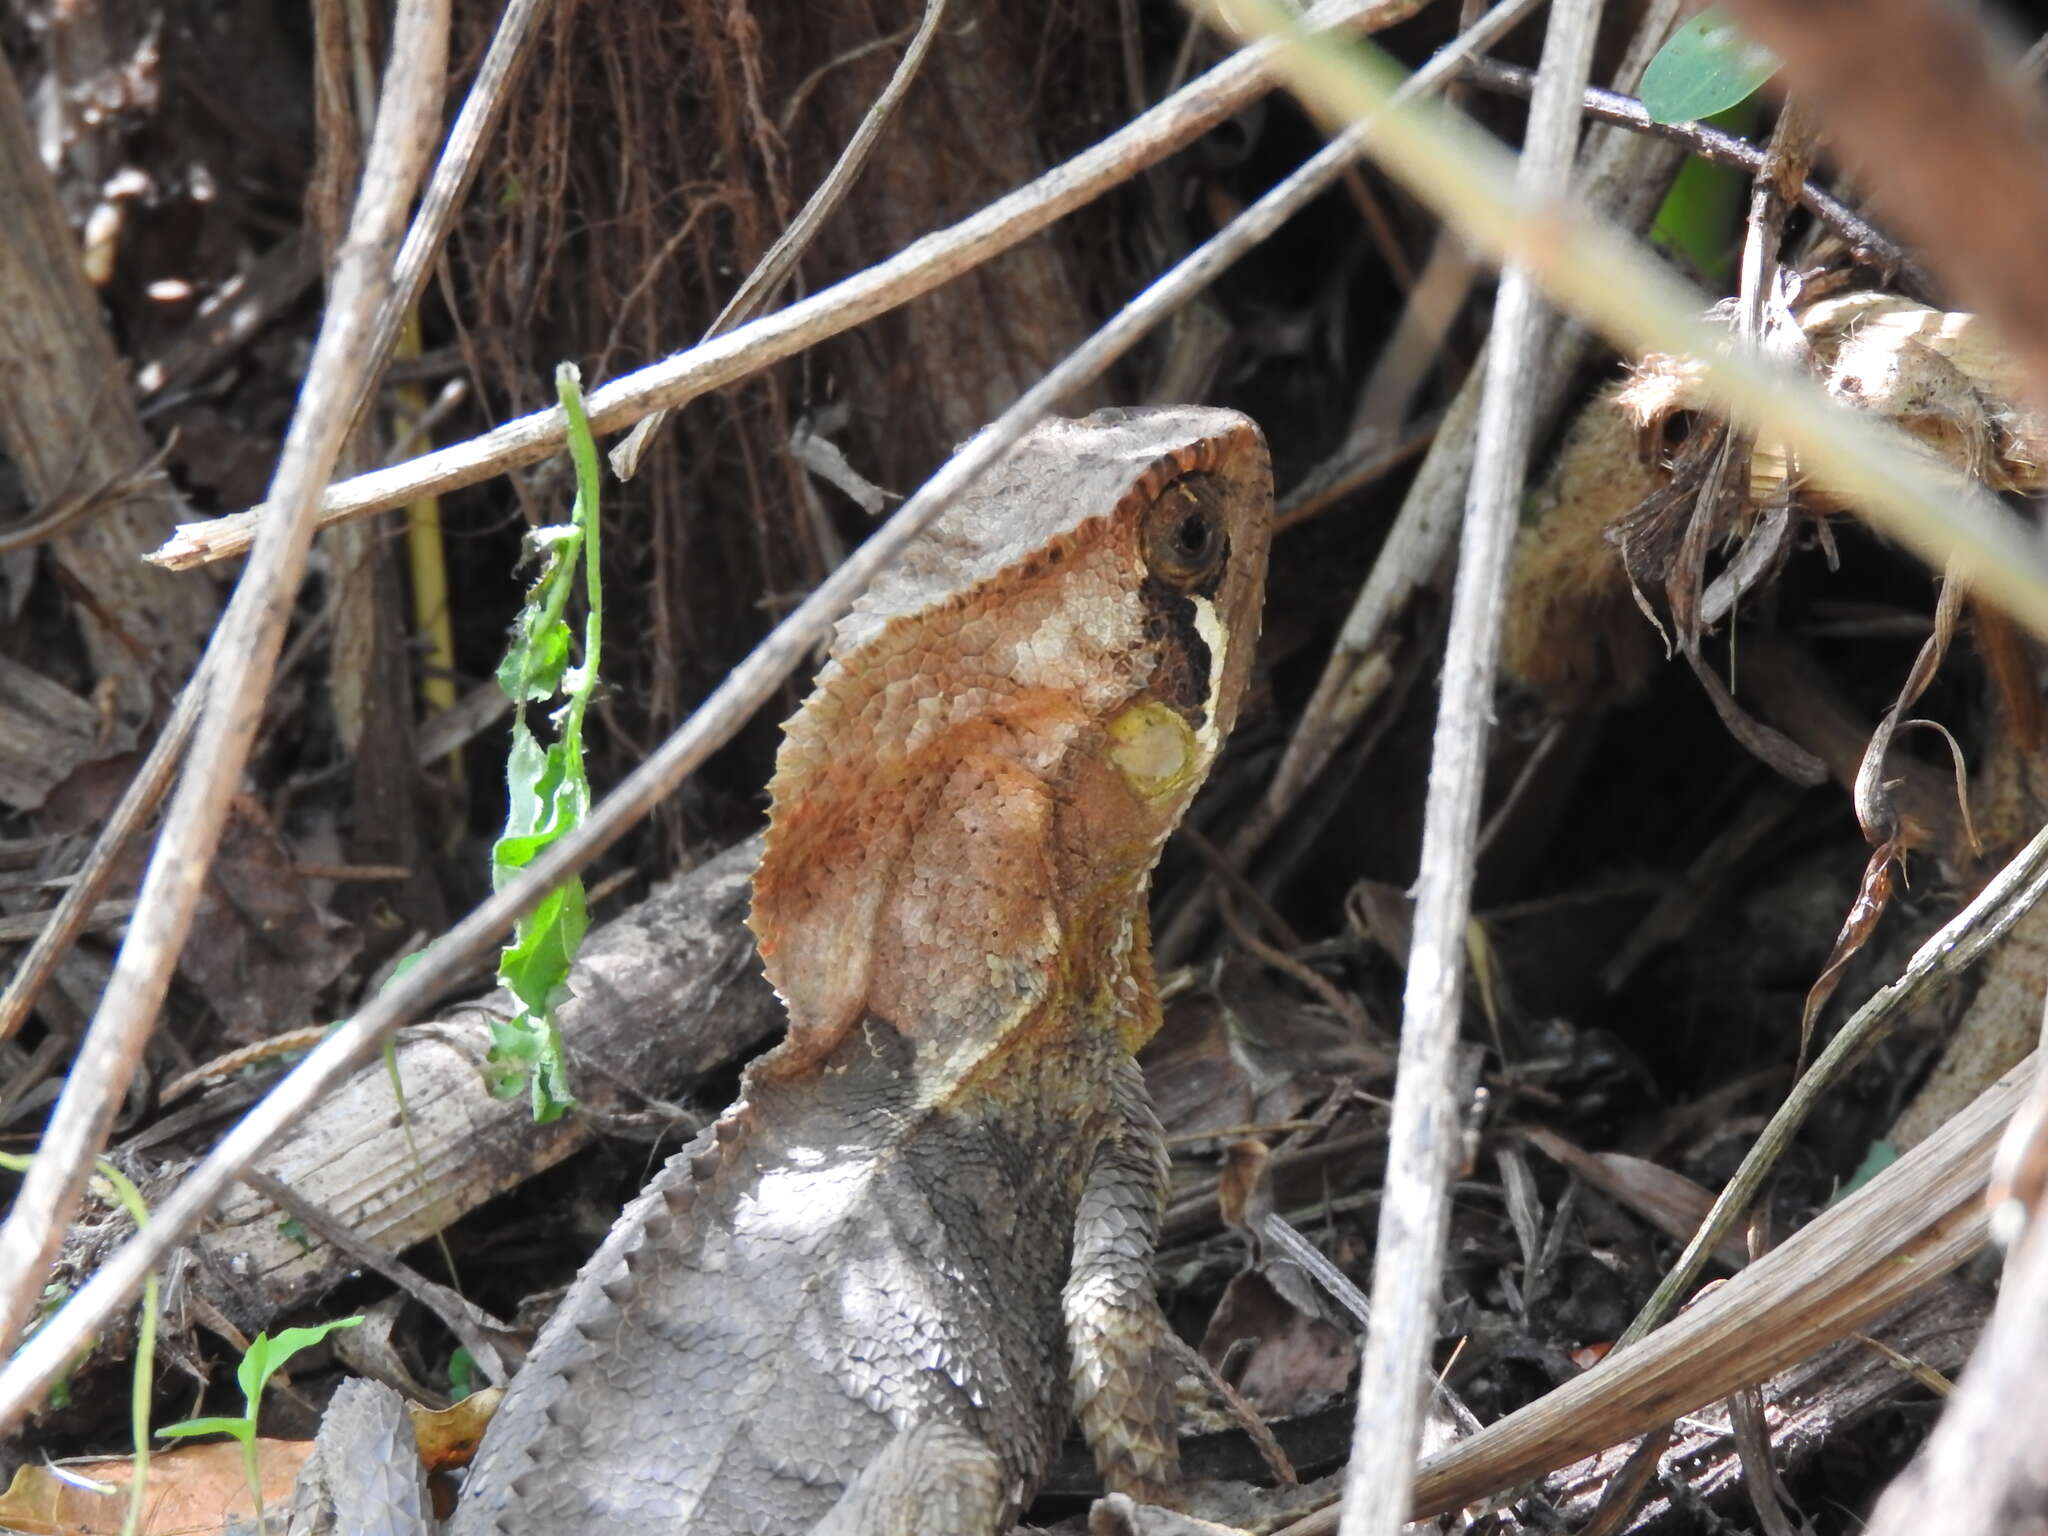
1152 748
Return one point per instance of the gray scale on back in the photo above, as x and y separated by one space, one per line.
774 1310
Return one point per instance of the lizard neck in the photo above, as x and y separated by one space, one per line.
976 896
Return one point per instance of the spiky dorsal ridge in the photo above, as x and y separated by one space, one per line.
673 1202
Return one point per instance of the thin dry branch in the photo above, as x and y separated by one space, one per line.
1983 1468
247 640
1717 147
923 266
1422 1138
1640 306
453 173
1621 175
2006 898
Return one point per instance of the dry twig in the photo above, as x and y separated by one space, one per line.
1717 147
1898 1234
1623 176
1950 142
1960 943
1422 1139
775 268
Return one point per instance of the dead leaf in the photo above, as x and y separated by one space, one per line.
260 950
1872 897
448 1437
1668 1200
1293 1362
1244 1196
192 1489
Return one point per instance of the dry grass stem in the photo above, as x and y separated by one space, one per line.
1954 148
1718 147
449 184
2009 896
1622 175
1905 1229
1421 1142
1607 281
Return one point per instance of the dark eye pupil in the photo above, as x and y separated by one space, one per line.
1192 537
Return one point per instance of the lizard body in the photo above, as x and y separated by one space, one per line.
865 1301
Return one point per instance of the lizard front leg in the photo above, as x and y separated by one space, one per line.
935 1479
1116 1334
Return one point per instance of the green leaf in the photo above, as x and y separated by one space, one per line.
1700 220
534 662
526 1051
526 773
516 1047
241 1429
462 1373
552 1098
267 1355
535 965
548 788
548 797
1707 66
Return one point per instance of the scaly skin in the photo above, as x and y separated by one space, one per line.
866 1301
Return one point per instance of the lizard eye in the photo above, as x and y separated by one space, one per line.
1185 541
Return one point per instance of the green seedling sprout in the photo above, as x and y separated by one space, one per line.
263 1359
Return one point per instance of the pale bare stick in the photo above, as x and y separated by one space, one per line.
243 654
449 185
1981 1468
1717 147
1423 1137
1640 308
721 715
1960 943
919 268
1605 279
774 269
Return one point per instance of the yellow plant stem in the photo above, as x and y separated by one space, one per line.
426 558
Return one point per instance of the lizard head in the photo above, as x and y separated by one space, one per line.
967 808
